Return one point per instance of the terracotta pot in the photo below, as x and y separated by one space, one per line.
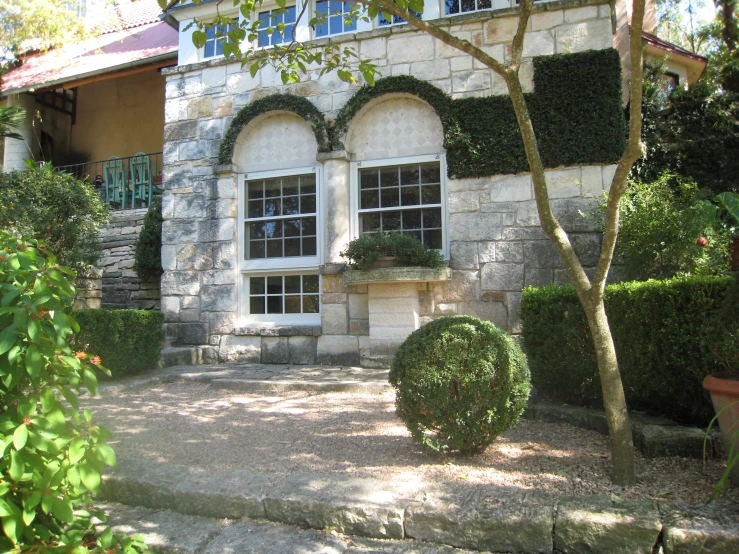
388 261
724 389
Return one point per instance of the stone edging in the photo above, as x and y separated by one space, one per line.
654 437
471 516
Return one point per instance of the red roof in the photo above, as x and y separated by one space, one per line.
133 35
654 40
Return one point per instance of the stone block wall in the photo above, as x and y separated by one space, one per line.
496 245
113 284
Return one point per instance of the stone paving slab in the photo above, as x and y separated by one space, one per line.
596 524
477 517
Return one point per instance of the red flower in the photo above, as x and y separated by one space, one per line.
80 355
96 360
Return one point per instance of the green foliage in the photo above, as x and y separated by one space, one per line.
148 257
52 452
128 340
669 335
11 118
275 102
660 224
575 109
407 250
56 208
460 382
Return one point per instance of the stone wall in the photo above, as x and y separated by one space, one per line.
495 243
114 284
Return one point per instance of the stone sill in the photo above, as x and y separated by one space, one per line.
278 331
457 19
397 274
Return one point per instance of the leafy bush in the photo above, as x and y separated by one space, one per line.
52 452
128 340
460 382
407 250
148 258
56 208
669 335
660 224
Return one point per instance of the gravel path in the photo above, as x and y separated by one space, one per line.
358 434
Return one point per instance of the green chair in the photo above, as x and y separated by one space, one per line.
139 169
116 189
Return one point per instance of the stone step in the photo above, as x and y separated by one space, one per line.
245 385
376 362
475 517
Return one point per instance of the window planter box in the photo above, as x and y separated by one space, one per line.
388 275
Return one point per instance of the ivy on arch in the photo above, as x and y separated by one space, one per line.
433 96
275 102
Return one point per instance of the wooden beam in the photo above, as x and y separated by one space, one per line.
114 75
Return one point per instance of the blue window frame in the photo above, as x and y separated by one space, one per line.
215 37
272 18
335 18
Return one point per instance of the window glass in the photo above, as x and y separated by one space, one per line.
403 198
283 294
396 20
269 35
334 18
461 6
215 38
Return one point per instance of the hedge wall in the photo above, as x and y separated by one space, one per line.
575 108
127 341
665 333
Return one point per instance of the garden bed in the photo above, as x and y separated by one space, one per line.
359 435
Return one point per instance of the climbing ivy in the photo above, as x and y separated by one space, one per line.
275 102
575 108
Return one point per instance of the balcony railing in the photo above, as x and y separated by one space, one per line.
123 183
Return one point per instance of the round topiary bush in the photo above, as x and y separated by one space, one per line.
460 382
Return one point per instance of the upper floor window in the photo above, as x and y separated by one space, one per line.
269 33
462 6
215 37
335 18
394 19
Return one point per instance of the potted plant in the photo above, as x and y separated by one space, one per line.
390 249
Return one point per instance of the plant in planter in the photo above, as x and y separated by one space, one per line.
724 389
405 250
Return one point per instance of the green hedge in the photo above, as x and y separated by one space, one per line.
127 341
666 334
575 108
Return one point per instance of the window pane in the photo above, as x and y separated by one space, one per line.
452 6
432 239
292 247
256 231
390 198
209 49
310 283
370 222
256 285
431 194
369 178
409 175
274 248
274 304
256 249
307 184
290 205
256 189
290 186
274 229
410 196
431 219
389 177
412 219
307 204
309 226
291 227
468 5
430 173
272 207
309 246
256 208
272 187
334 24
256 305
310 304
484 4
369 199
274 284
391 221
292 284
292 304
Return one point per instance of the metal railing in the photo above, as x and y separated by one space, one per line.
132 189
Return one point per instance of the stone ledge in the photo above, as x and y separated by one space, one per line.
333 155
278 331
224 169
399 274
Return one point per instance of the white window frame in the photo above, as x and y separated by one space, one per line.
361 25
265 267
389 162
201 51
270 7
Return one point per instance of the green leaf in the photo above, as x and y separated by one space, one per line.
90 476
91 381
34 361
8 336
198 38
10 527
69 396
105 453
62 510
77 450
29 514
47 502
17 466
253 69
5 509
20 436
106 538
33 330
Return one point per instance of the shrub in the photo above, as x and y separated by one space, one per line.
128 340
460 382
53 453
148 259
660 223
55 207
667 334
407 250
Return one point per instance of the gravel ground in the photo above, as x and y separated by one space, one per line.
288 432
